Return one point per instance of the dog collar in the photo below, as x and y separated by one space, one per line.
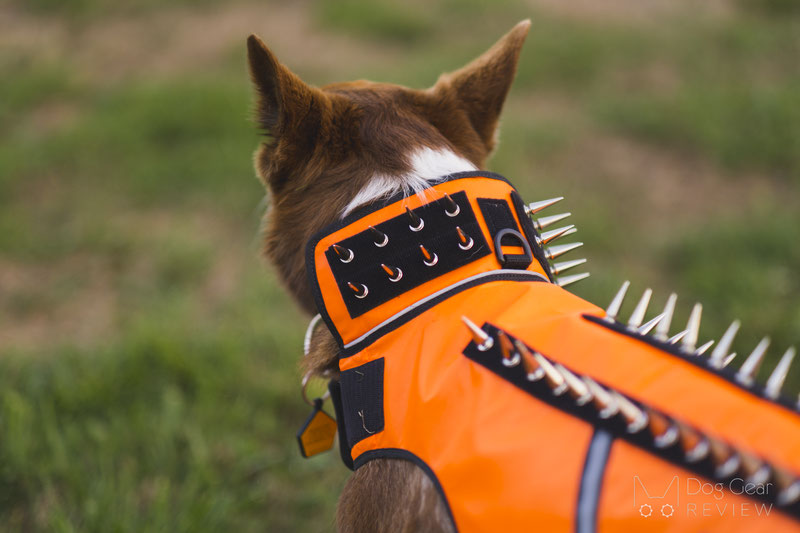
385 264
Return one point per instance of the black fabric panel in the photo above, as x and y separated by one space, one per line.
311 245
497 215
362 400
438 235
728 374
530 233
336 398
396 453
492 359
407 317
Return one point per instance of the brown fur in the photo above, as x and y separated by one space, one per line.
322 147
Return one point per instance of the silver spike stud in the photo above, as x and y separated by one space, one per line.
534 207
728 360
550 236
694 444
576 387
677 337
720 352
635 417
545 222
665 433
689 342
704 348
557 250
616 303
563 266
510 355
725 458
394 273
788 487
359 289
345 254
775 382
662 329
428 257
637 317
555 380
603 401
482 339
648 326
379 238
747 373
452 209
416 223
465 242
569 280
533 371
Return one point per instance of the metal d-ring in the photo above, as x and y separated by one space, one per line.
304 385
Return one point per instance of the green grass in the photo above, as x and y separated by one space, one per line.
148 371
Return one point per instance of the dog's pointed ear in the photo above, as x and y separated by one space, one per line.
285 103
481 87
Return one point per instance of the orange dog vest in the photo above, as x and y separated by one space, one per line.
546 414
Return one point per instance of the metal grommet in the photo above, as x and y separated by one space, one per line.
418 227
384 243
454 213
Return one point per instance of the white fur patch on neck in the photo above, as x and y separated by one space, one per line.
428 166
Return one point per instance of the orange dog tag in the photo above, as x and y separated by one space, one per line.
317 433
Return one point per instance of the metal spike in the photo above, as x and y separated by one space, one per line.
725 458
778 376
360 290
662 329
563 266
394 273
677 337
465 242
664 432
544 222
728 360
380 238
756 471
788 487
577 388
616 303
510 355
641 308
534 207
569 280
689 342
452 209
345 254
635 417
694 444
717 357
416 223
603 400
556 381
534 372
704 348
480 337
558 250
550 236
429 258
650 324
747 372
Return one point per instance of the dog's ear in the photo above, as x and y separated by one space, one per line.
480 88
285 104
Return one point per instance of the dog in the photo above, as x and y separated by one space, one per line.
350 167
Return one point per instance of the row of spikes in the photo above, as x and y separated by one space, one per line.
687 341
665 431
552 252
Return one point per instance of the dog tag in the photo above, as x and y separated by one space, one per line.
317 433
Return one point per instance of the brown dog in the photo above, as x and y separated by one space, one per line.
329 150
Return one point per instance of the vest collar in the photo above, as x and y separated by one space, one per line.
386 263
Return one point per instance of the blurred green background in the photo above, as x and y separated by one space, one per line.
148 357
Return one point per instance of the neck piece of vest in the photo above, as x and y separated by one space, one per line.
528 407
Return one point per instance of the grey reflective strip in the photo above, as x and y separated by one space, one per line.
438 293
592 481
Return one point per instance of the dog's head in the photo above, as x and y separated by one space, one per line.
328 150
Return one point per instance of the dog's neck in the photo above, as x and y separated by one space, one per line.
427 166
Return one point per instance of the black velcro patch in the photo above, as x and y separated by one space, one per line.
362 400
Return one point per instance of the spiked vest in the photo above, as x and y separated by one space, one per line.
528 407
